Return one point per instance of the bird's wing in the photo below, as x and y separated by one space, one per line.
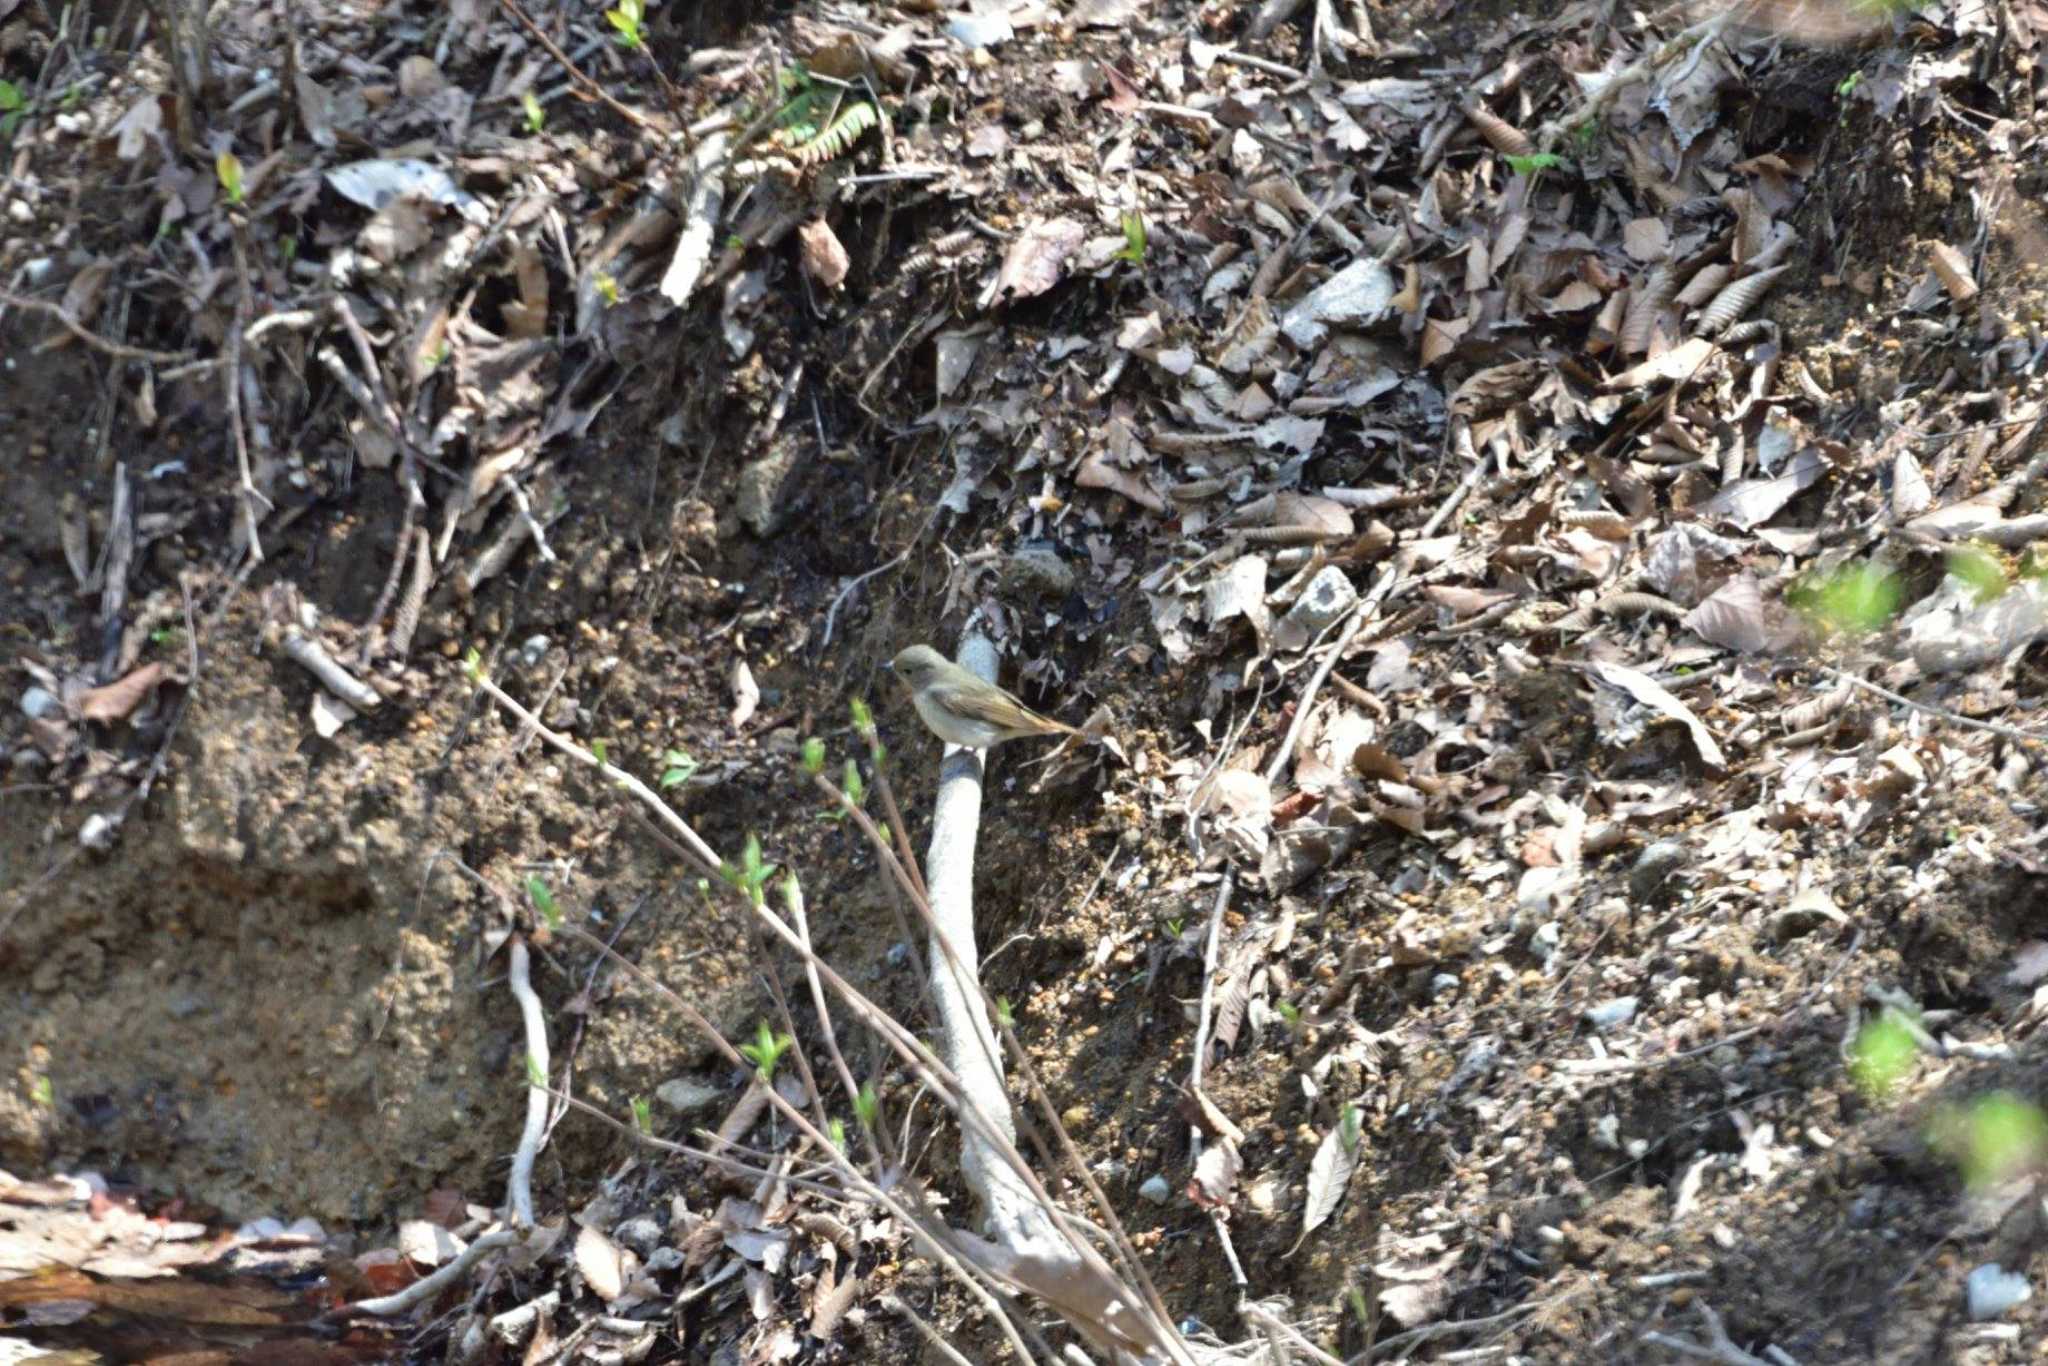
987 706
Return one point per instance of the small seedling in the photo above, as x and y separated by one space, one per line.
227 169
1289 1013
766 1051
867 1106
1848 85
1360 1310
43 1093
643 1115
1133 249
1992 1139
14 107
1881 1053
1852 600
814 756
544 902
536 117
607 289
752 874
1534 162
473 665
836 1131
1350 1124
600 751
863 720
1005 1016
677 768
1980 570
856 790
629 18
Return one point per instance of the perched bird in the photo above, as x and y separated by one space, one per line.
959 708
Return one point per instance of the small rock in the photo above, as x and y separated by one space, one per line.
1036 568
1611 1014
532 650
640 1233
687 1095
1329 595
1993 1290
40 704
1653 867
759 501
1157 1189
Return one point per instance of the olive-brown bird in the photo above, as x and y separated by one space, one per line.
961 709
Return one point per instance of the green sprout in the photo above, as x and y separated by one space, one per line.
867 1106
836 1131
1350 1124
766 1051
1881 1053
1360 1310
1289 1013
473 665
1979 570
42 1092
851 784
1005 1016
600 751
628 18
1133 249
536 117
227 168
814 756
792 891
1534 162
643 1115
544 902
752 874
863 720
607 289
677 768
14 107
1993 1139
1851 600
1848 85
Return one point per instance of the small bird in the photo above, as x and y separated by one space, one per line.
959 708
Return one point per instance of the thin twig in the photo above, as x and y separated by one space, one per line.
1929 709
118 350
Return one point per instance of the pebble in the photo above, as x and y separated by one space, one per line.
1157 1189
1993 1290
1610 1014
40 704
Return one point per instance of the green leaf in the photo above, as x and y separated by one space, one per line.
40 1090
11 98
643 1115
1350 1123
473 664
600 751
814 756
680 768
837 1131
536 117
766 1051
1133 249
1852 600
852 785
1980 570
1993 1139
227 168
867 1106
1881 1053
1537 161
863 720
544 901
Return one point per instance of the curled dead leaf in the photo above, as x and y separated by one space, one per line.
117 699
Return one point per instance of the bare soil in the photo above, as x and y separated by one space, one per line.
269 994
